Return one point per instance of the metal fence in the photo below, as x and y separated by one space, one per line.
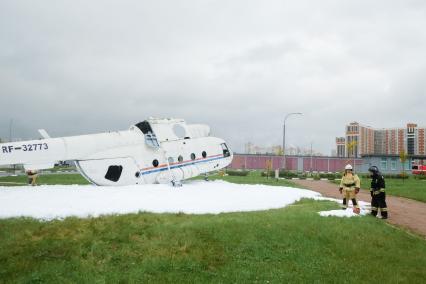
293 163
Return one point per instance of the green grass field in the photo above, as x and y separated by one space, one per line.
253 178
44 179
409 188
293 244
50 179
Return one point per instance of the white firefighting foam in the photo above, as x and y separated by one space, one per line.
364 210
196 197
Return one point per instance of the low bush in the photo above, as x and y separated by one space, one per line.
237 173
397 176
421 177
330 176
267 174
304 175
364 176
288 174
283 174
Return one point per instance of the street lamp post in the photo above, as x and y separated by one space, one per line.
10 130
285 118
10 140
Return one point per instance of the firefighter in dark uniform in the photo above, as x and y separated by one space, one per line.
378 194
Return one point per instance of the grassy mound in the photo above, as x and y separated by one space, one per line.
293 244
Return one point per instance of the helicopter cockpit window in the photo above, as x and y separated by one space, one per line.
150 137
145 127
114 173
225 150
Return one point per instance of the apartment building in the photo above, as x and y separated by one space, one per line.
341 146
366 140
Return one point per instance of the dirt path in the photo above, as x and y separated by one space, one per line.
403 212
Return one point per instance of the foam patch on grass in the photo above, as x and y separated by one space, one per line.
348 212
195 197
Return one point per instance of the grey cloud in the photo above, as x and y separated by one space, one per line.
240 66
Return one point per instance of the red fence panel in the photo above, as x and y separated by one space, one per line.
322 164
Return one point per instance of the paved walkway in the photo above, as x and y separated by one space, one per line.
404 212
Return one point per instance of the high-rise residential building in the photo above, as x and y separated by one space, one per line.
341 146
422 141
365 140
359 140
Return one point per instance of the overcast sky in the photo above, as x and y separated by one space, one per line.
76 67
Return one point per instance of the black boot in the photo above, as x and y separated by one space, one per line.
344 204
374 213
384 214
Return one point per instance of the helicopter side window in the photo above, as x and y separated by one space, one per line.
114 173
180 158
192 156
204 154
155 163
225 150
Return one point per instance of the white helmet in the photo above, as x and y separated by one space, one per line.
348 167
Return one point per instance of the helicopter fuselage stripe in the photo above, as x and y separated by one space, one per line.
180 165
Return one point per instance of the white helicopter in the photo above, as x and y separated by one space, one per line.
152 151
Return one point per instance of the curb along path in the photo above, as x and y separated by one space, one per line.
403 212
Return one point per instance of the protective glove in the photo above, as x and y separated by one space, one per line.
371 193
340 190
356 190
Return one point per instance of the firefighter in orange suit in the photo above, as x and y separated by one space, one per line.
32 177
349 187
